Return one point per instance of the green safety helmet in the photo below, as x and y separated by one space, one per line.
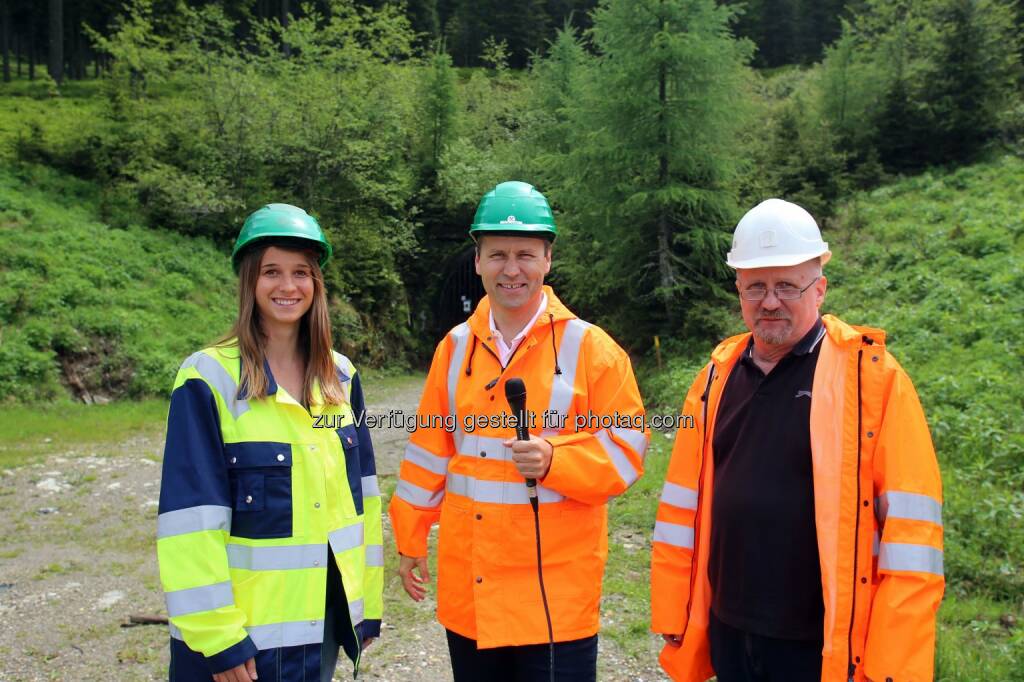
281 222
514 208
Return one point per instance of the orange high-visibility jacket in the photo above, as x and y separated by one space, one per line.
878 513
487 586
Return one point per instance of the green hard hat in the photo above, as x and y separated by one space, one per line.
281 221
514 208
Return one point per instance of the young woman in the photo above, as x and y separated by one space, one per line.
269 535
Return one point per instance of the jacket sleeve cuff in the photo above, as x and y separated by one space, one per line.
554 476
369 628
234 655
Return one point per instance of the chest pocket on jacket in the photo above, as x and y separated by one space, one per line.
260 477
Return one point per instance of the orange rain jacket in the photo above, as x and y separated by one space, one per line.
878 505
487 586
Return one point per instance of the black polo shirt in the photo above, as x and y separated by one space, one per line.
763 564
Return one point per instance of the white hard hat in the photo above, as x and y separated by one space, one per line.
776 233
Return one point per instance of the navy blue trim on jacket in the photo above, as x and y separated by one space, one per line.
194 470
355 440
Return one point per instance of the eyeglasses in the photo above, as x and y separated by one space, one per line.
783 293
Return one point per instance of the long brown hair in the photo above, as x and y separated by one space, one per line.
314 332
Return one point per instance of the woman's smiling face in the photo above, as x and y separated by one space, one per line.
284 288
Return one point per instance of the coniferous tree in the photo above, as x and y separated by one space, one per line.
971 77
56 33
5 32
439 107
423 17
646 185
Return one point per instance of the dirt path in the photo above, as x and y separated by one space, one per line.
78 558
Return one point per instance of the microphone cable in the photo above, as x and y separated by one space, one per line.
515 394
543 593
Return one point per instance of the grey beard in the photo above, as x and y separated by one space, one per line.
774 338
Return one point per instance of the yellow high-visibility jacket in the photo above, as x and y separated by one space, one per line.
461 474
256 496
878 515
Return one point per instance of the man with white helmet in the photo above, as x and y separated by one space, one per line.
799 533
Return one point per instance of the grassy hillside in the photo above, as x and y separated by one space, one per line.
938 262
91 311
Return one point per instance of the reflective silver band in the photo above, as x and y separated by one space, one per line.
280 558
473 445
199 599
897 556
344 539
618 456
425 459
217 377
193 520
679 496
568 359
673 534
355 610
460 335
370 486
275 635
344 364
348 370
633 438
498 492
375 555
295 633
417 496
912 506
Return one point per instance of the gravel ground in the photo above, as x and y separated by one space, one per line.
78 559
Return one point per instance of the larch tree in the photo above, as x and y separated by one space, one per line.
647 186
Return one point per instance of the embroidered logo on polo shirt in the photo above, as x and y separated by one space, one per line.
802 394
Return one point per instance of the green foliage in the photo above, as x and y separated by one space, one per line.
96 311
322 124
140 54
935 261
795 154
646 183
439 108
789 31
494 54
921 82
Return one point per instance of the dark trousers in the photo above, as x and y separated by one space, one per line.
337 623
739 656
575 661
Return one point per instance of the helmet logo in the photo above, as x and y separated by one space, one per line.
767 239
511 220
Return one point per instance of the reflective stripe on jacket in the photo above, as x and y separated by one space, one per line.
487 572
878 505
253 495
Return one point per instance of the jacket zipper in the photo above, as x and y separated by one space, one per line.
851 666
706 398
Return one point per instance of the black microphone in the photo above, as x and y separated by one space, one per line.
515 394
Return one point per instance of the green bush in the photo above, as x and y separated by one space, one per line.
96 311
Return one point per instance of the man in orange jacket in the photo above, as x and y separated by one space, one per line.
799 534
464 469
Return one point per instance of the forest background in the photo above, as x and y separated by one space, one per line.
136 135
